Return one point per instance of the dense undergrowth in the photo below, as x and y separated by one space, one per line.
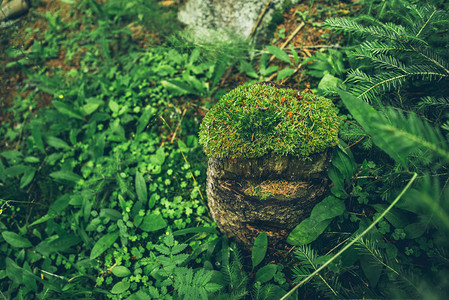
103 191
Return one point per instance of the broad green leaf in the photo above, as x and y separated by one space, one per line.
64 242
16 240
13 52
371 120
68 1
219 69
98 149
43 219
91 107
153 222
371 269
120 287
103 244
13 271
194 56
158 159
29 281
27 177
311 228
66 175
394 216
2 172
16 170
307 231
295 54
268 71
339 184
67 110
266 273
329 83
31 159
111 213
113 106
154 197
259 248
284 73
414 230
279 53
57 143
182 146
13 156
59 205
36 133
343 162
121 271
391 251
141 187
142 122
329 208
195 230
247 68
178 87
263 61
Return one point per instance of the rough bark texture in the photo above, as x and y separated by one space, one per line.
271 194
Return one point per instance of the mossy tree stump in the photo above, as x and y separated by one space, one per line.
268 150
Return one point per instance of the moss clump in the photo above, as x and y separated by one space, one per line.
258 119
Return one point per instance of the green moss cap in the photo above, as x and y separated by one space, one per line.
258 119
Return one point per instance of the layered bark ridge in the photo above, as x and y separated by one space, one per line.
271 194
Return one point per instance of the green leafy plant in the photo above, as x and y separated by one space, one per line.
400 54
266 71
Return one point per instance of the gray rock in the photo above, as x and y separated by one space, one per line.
224 20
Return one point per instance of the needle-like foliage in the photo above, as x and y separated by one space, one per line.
397 56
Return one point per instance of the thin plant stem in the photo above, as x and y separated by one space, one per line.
355 239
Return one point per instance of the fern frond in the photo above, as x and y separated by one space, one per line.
369 247
416 133
308 257
235 276
330 288
355 135
432 57
386 32
442 256
383 82
378 47
424 18
263 292
398 135
379 60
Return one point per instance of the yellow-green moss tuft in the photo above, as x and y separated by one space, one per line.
257 119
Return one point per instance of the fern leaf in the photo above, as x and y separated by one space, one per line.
440 103
369 247
433 58
425 15
378 47
381 83
396 134
380 60
386 32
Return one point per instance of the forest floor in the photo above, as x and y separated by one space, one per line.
31 27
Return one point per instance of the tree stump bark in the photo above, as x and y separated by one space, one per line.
272 193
